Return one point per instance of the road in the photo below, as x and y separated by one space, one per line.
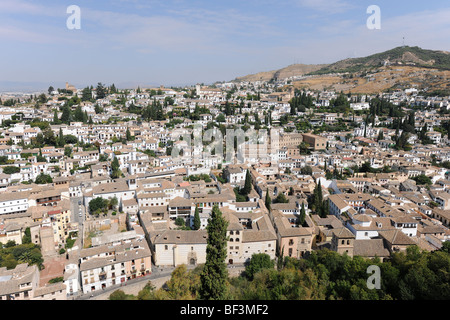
76 208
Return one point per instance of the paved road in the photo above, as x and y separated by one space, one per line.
76 208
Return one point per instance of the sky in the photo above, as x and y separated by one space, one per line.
177 43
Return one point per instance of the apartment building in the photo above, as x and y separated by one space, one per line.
105 266
292 240
19 283
248 234
13 202
315 142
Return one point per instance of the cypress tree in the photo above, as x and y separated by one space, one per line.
197 222
61 141
248 184
55 117
268 200
319 193
302 215
128 135
213 279
324 210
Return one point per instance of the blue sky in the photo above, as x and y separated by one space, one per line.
176 42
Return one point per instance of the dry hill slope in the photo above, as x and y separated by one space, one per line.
290 71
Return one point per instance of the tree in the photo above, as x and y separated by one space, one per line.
307 170
70 139
129 137
220 118
319 205
66 115
100 91
402 142
55 117
79 115
49 137
113 89
98 109
147 293
50 90
302 216
86 94
281 198
68 152
422 180
180 222
258 262
197 222
304 148
97 204
113 202
120 295
11 169
42 98
43 179
115 167
182 286
61 140
248 184
268 200
213 279
27 236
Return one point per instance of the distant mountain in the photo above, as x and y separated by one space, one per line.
413 56
290 71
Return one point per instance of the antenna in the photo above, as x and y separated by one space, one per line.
403 42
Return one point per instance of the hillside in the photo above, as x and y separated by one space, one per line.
399 68
379 80
290 71
411 56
